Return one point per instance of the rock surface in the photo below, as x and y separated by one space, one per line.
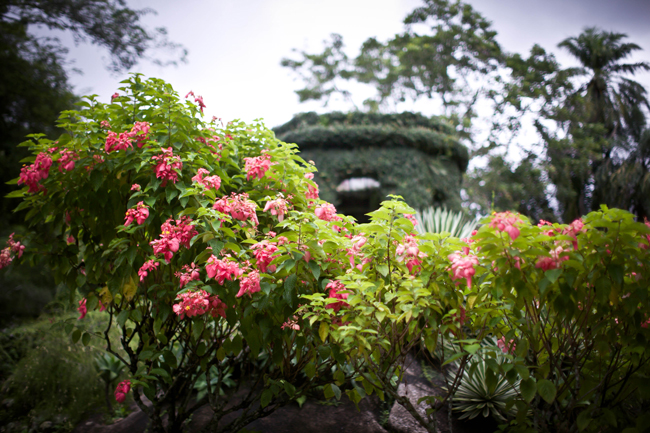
320 417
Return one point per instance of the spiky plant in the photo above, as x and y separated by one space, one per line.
438 220
483 392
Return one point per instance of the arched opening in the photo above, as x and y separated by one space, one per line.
358 196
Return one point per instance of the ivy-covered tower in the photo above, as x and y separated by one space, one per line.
363 157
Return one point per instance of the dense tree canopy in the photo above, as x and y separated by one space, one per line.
590 120
35 86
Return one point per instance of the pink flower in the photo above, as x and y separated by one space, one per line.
505 222
327 212
249 284
82 309
114 95
148 266
172 237
5 258
335 288
277 207
199 303
140 213
168 165
136 187
140 132
222 270
238 206
208 182
66 161
463 266
291 324
264 253
122 390
117 142
411 218
33 174
552 262
104 124
506 348
191 274
257 166
70 240
102 307
15 246
198 100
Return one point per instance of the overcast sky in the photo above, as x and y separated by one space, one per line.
235 46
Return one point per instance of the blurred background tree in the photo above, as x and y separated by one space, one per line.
590 121
35 88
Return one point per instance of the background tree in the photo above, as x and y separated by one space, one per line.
589 130
35 85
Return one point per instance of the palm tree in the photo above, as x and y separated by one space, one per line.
604 120
609 98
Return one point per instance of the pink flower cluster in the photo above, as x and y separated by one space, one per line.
249 284
277 207
104 124
506 347
209 181
357 242
191 274
82 309
122 390
264 253
13 248
312 190
411 217
408 250
167 167
199 303
552 262
197 99
222 269
238 206
147 267
172 237
645 246
327 212
505 222
463 266
31 175
140 213
257 166
140 132
335 289
67 159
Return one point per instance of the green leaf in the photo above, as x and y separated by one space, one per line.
76 335
267 395
289 388
472 348
96 178
382 269
323 330
85 338
584 419
528 388
553 274
315 269
546 390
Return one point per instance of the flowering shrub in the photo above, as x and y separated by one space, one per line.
567 304
196 239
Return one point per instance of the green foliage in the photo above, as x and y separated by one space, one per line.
439 220
78 218
410 155
53 380
484 392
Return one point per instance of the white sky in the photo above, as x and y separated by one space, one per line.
235 46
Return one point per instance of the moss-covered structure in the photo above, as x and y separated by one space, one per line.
407 154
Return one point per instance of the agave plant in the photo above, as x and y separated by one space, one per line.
483 392
438 220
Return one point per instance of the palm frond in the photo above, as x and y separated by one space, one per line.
439 220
